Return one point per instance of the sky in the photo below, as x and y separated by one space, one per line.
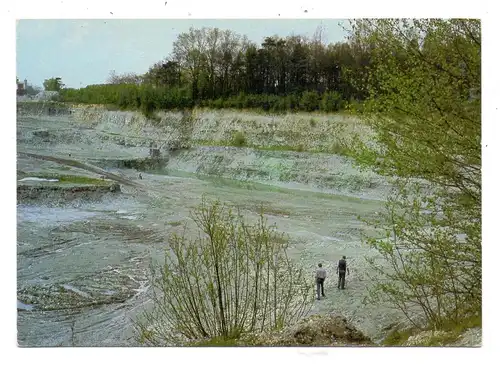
83 52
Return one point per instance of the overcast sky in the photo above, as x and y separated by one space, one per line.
83 52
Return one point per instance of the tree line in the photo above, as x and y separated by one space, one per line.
216 68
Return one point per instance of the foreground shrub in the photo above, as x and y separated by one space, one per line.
234 278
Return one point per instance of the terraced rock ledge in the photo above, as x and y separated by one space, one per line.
62 189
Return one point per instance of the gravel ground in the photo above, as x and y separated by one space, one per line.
473 337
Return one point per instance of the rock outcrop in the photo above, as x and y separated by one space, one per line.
316 330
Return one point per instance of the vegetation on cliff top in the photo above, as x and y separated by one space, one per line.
215 68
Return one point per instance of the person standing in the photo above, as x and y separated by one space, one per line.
320 280
341 270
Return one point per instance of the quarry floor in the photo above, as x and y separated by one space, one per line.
82 266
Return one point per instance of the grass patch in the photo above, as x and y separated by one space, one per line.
175 223
74 179
221 181
466 323
208 142
299 148
452 332
216 342
397 338
441 340
111 107
239 140
273 211
338 149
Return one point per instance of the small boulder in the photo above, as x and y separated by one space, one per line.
41 133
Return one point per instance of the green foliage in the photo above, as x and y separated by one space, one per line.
452 329
425 108
53 84
238 139
148 99
339 148
397 338
216 342
441 340
332 102
218 68
230 279
131 96
309 101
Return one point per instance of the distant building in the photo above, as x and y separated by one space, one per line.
22 87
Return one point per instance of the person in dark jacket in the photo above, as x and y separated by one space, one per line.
341 270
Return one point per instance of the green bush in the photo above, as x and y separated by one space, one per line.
232 278
218 104
309 101
239 139
148 98
397 338
338 148
332 102
293 102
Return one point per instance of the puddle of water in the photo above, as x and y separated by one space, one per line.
335 239
38 179
51 216
131 217
77 291
25 307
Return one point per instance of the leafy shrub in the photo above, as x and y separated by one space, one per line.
309 101
332 102
338 148
239 139
235 278
428 135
